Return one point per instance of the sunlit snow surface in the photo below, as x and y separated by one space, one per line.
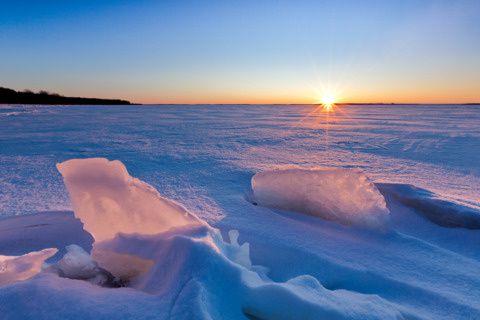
432 147
204 157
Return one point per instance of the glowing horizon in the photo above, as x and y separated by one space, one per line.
308 97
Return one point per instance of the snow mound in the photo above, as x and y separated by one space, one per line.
439 211
343 195
158 248
108 200
18 268
204 277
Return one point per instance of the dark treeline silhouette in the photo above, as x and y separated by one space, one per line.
44 97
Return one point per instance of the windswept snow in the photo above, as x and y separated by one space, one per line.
198 155
344 195
18 268
185 259
305 268
238 260
206 277
42 230
442 212
188 264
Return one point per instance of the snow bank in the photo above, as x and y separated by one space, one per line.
205 277
108 200
159 248
343 195
439 211
18 268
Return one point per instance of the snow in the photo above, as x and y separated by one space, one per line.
77 264
19 268
209 253
183 257
437 210
42 230
344 195
188 264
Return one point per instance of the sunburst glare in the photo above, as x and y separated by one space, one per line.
327 96
328 101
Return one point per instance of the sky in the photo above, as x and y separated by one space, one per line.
262 51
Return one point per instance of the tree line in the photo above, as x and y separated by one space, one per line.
43 97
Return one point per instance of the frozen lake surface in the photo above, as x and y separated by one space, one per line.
206 155
407 250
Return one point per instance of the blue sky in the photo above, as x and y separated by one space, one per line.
244 51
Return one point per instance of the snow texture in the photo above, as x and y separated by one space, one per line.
248 262
189 259
442 212
77 264
19 268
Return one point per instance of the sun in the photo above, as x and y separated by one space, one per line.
328 101
327 96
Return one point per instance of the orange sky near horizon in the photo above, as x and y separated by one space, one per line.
446 95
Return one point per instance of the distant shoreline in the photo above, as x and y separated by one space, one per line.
10 96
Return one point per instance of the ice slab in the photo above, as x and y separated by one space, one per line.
109 201
343 195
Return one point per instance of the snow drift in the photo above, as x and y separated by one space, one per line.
442 212
185 269
159 248
343 195
204 277
18 268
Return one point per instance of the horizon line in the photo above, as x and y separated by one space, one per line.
306 104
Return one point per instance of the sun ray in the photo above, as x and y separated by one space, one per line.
328 101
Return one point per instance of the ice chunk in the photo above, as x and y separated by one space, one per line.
108 200
343 195
18 268
77 264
